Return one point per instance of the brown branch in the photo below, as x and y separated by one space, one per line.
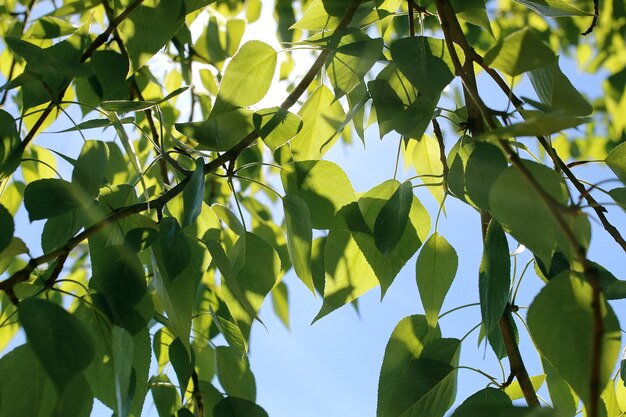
594 21
197 394
411 18
442 154
24 274
598 208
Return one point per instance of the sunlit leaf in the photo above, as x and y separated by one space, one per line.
193 195
234 374
519 52
299 237
616 160
393 218
494 278
90 167
554 8
276 126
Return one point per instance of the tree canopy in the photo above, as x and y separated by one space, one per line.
184 191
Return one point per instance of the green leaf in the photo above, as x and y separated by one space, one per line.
536 123
494 278
219 132
612 288
7 227
7 256
425 62
474 12
51 197
561 315
122 346
427 161
10 145
322 116
177 293
619 196
393 218
497 410
165 396
435 270
229 218
256 266
234 374
95 124
32 393
276 126
557 92
238 407
247 77
562 396
280 302
119 276
616 160
49 27
299 237
483 166
150 27
323 185
326 15
487 397
554 8
173 243
193 195
514 391
348 274
58 340
182 364
89 170
522 212
140 238
351 61
519 52
406 343
127 106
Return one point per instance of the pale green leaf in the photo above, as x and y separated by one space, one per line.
567 302
557 92
276 126
247 77
229 218
561 394
323 185
536 123
519 52
299 237
280 302
554 8
427 161
494 278
322 116
393 218
57 338
514 391
350 62
616 160
474 12
234 374
150 27
435 270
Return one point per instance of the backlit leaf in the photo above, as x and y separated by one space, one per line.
193 195
519 52
393 218
89 170
57 338
234 374
435 270
219 132
299 237
566 301
182 364
494 278
51 197
10 149
553 8
276 126
616 160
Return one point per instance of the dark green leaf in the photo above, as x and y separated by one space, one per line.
10 149
247 77
536 123
7 227
276 126
495 276
483 398
127 106
425 62
51 197
393 218
229 218
234 374
350 62
519 52
193 195
140 238
322 116
149 27
89 170
122 346
484 164
174 246
619 195
299 237
554 8
616 160
497 410
58 340
94 124
561 315
182 364
562 396
435 270
612 288
238 407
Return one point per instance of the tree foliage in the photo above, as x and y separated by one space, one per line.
191 195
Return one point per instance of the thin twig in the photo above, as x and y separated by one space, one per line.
442 153
594 21
197 394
